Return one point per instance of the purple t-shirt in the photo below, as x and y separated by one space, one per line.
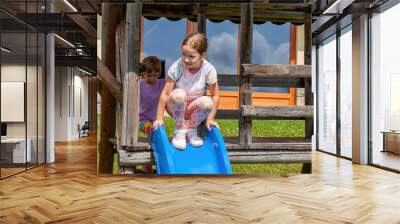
149 95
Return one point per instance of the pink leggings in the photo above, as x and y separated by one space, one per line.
194 111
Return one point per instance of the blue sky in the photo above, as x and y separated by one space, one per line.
163 37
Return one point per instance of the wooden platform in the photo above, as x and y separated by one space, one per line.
70 191
282 150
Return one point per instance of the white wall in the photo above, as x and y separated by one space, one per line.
62 80
71 94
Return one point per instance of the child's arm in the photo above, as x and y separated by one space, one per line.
162 102
214 92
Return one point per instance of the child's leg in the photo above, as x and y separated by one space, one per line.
145 128
198 111
176 105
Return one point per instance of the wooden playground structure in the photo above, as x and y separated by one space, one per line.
119 66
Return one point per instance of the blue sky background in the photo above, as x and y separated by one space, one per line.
163 37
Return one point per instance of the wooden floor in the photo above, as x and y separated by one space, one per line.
70 191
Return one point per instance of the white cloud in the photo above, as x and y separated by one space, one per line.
265 53
222 52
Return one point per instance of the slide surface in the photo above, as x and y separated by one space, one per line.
210 158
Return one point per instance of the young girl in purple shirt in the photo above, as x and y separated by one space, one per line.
150 90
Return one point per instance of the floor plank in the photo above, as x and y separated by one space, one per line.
70 191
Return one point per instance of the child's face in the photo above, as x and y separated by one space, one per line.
191 57
151 77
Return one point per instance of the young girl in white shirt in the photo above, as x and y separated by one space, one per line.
183 95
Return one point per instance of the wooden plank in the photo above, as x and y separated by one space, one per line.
139 146
227 114
297 140
235 114
258 4
129 159
259 143
233 80
269 157
130 106
134 158
277 111
276 71
262 12
270 146
245 52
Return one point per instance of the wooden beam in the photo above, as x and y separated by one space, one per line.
227 114
246 37
272 112
130 105
111 16
263 12
233 80
109 81
130 159
276 71
269 157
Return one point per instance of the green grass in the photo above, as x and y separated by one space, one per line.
261 128
267 168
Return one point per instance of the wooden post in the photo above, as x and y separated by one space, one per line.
130 106
201 28
111 15
120 53
245 96
308 95
191 27
292 60
141 38
201 20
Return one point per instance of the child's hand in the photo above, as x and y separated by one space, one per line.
158 122
210 123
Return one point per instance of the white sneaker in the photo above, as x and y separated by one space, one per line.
179 139
193 138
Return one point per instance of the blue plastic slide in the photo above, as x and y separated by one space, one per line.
210 158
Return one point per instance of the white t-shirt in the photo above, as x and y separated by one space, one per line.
193 84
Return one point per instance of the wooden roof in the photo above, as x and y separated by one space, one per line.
277 13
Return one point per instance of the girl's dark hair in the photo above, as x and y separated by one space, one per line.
150 64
